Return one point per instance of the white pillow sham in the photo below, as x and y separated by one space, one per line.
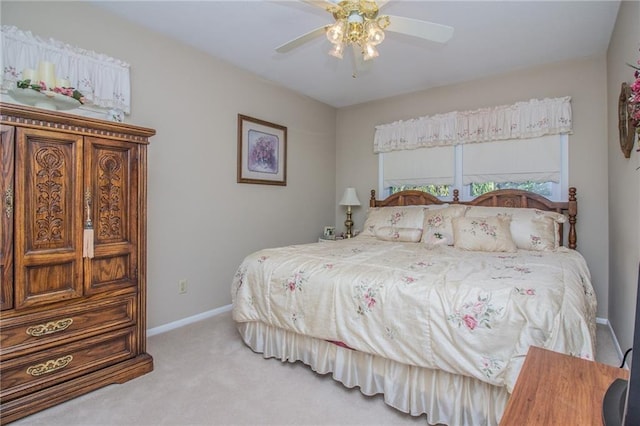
437 224
531 229
483 233
396 216
391 233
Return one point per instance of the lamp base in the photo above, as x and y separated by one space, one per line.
348 223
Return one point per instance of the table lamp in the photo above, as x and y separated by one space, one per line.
349 198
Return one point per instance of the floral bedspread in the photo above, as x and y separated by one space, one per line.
469 313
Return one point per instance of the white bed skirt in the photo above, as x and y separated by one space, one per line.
445 398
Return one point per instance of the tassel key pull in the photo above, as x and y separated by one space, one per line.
87 235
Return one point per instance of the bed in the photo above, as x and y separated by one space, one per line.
434 304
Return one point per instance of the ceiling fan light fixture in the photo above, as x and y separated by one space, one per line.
354 33
335 33
383 22
375 35
369 51
358 25
337 50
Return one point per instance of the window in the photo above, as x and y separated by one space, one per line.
542 188
406 169
539 165
440 191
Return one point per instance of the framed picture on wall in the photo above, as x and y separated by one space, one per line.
262 152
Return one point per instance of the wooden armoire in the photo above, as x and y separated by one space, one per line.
72 257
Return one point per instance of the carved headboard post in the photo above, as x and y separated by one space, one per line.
573 212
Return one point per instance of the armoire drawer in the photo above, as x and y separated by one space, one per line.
38 331
23 375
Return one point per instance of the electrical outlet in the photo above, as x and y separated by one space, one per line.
182 286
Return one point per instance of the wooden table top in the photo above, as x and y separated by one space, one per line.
558 389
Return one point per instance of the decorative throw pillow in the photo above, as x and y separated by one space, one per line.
437 224
531 229
538 233
434 240
391 233
483 233
397 217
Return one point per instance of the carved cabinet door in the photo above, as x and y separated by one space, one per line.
48 217
111 177
6 215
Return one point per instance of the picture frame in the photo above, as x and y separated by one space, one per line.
329 232
262 152
625 125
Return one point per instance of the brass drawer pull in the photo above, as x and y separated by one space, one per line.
49 328
49 366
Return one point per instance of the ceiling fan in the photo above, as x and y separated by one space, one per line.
358 23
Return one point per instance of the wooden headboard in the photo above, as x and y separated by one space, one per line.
501 198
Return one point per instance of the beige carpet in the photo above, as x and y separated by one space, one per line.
205 375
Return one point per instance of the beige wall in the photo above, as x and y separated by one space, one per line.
584 80
201 222
624 180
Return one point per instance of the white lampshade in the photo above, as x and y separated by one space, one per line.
350 198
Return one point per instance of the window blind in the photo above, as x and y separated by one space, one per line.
537 159
423 166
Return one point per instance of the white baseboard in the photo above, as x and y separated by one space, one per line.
189 320
607 323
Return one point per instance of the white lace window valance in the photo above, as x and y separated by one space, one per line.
104 81
523 120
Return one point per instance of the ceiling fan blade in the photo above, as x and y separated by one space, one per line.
322 4
417 28
299 41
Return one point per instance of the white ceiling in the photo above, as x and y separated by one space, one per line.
490 37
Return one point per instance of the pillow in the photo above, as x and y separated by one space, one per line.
437 224
391 233
539 234
397 217
531 229
435 240
483 233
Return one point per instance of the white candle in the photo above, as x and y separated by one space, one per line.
47 73
63 82
29 74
